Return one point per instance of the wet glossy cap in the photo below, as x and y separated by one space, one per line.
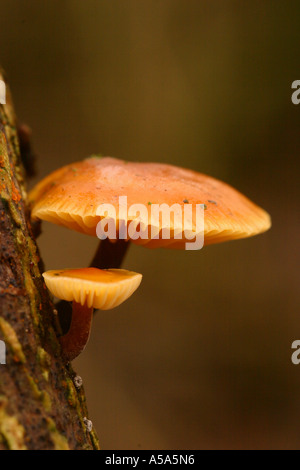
71 195
99 288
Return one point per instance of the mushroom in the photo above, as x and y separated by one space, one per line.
71 195
88 288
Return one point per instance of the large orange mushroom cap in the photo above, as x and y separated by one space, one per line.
71 195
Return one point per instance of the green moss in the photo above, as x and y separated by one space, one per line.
46 400
15 214
6 190
38 394
26 257
12 341
94 440
34 387
33 257
59 441
11 431
34 300
43 357
71 393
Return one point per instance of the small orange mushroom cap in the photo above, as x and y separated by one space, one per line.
70 196
103 289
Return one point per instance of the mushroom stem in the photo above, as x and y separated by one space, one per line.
75 340
109 254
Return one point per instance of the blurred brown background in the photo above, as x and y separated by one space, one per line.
199 357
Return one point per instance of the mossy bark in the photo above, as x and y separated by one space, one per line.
40 405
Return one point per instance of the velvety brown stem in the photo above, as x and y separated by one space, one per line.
110 255
75 340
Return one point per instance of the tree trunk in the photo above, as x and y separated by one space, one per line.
42 402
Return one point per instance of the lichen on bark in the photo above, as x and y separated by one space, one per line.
40 407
